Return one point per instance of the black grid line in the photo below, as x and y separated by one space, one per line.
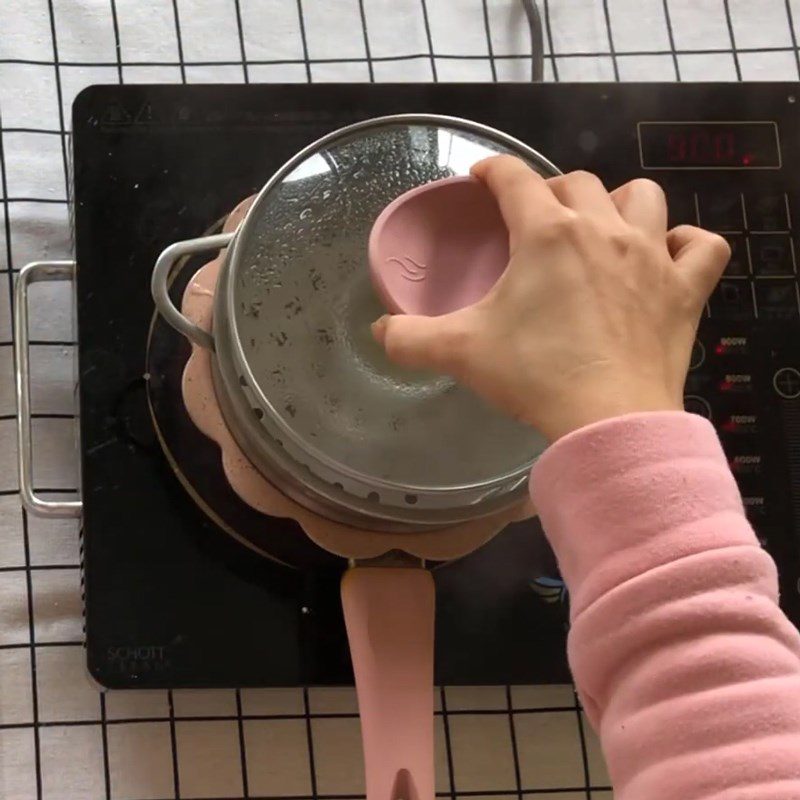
117 49
45 131
242 743
37 750
512 730
365 33
173 738
734 51
240 31
489 46
428 36
671 37
580 54
52 490
179 43
19 645
53 201
584 749
104 734
39 490
445 715
350 796
310 740
41 568
60 96
39 415
792 34
49 490
6 219
549 33
610 35
448 744
302 23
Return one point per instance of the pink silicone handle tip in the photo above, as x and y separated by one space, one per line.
389 613
438 247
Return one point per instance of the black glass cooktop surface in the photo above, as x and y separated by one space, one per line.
186 586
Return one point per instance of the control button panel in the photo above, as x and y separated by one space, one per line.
747 383
738 424
739 265
772 255
721 212
760 280
732 345
682 208
767 211
732 300
786 381
695 404
750 464
777 299
735 383
698 355
744 369
737 389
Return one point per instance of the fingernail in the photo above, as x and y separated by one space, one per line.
379 328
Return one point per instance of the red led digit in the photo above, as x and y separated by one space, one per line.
700 146
676 147
724 147
709 145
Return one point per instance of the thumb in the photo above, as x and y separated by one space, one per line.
418 342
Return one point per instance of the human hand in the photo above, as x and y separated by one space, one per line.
595 315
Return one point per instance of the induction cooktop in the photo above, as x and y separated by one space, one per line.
174 596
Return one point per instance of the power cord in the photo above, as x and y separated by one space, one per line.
537 39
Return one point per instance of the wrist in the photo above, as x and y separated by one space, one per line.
585 408
615 493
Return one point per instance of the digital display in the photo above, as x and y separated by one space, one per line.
709 145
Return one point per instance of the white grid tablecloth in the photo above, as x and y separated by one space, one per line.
61 738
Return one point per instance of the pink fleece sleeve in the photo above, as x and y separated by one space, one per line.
686 666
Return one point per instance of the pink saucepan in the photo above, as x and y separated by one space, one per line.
388 468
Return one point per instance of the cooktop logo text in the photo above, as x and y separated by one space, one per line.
139 658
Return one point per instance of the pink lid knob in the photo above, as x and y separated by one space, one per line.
438 248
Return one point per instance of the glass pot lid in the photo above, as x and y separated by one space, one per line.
299 302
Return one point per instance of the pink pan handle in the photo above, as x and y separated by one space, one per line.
389 614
